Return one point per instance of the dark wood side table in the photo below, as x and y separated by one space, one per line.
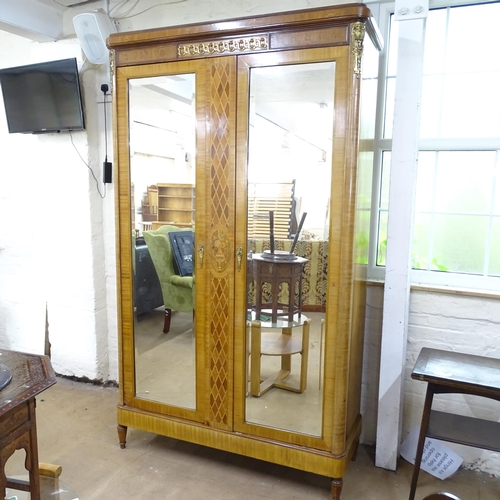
275 270
31 374
452 372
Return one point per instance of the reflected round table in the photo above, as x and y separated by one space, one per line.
271 272
275 338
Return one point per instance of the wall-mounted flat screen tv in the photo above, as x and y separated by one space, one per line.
43 97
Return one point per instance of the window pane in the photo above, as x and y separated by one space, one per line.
365 171
393 48
464 180
430 114
435 41
382 238
494 267
496 203
466 110
368 112
478 47
425 181
457 203
459 242
362 236
390 92
453 105
384 184
420 248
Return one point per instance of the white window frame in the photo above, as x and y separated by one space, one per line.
452 280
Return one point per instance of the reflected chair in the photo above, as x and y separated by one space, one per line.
442 495
177 291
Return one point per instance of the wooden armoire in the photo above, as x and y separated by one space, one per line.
271 98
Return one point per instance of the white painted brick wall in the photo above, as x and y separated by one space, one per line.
460 323
51 232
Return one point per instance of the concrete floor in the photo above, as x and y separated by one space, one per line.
77 430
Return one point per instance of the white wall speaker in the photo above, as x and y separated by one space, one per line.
92 29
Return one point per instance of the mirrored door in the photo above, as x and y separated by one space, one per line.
162 174
290 128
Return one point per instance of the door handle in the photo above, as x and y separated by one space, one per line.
239 257
201 254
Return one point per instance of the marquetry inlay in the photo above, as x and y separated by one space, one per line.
224 46
219 149
358 34
219 248
219 352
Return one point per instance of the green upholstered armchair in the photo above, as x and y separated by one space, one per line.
177 291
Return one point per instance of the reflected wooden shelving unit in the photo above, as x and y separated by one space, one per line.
176 204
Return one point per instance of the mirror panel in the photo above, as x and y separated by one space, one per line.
291 118
162 162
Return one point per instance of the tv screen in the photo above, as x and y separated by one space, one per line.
43 97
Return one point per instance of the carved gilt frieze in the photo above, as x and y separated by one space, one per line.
224 46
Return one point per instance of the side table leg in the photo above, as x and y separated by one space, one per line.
3 477
255 358
32 453
337 484
286 359
122 435
421 439
304 355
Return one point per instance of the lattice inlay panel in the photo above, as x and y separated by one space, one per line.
220 147
219 351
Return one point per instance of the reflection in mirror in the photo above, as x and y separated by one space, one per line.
289 172
162 146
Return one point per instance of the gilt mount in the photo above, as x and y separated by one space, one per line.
224 46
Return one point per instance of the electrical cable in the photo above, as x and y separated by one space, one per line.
117 6
104 86
88 166
126 16
106 166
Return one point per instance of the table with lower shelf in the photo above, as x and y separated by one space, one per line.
276 339
451 372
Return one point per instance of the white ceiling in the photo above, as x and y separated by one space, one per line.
38 20
62 4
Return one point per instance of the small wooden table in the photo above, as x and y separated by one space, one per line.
453 372
31 374
276 270
277 340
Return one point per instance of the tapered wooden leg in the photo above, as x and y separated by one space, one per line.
166 324
337 484
122 435
255 359
421 439
304 355
32 454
